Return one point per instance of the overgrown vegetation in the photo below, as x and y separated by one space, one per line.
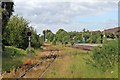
15 40
14 37
16 34
73 65
15 57
15 28
105 58
12 58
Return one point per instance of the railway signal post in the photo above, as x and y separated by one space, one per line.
29 46
101 38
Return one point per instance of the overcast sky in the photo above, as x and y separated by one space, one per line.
71 15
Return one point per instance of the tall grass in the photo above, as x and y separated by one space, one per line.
106 57
73 65
12 58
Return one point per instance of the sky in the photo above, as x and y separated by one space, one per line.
71 15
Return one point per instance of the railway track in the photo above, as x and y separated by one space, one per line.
46 69
87 47
50 57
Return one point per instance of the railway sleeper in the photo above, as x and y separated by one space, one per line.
50 56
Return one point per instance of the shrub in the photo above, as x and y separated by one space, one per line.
72 43
98 40
11 51
105 57
32 50
12 58
54 42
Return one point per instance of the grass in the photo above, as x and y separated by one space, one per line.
12 58
73 65
12 63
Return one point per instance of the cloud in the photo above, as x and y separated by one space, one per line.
42 13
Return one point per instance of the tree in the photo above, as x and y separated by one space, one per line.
44 34
94 36
8 9
50 36
60 34
86 35
84 30
35 41
110 35
16 33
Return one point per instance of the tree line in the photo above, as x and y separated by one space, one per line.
85 36
15 28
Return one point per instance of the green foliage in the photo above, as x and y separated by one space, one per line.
60 34
105 40
54 41
32 50
86 35
41 39
98 40
106 57
6 13
63 36
94 37
49 36
35 40
7 8
12 58
110 35
12 52
16 34
72 43
74 66
75 37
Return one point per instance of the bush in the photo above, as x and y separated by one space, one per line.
32 50
72 43
12 58
11 51
54 42
98 40
105 57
